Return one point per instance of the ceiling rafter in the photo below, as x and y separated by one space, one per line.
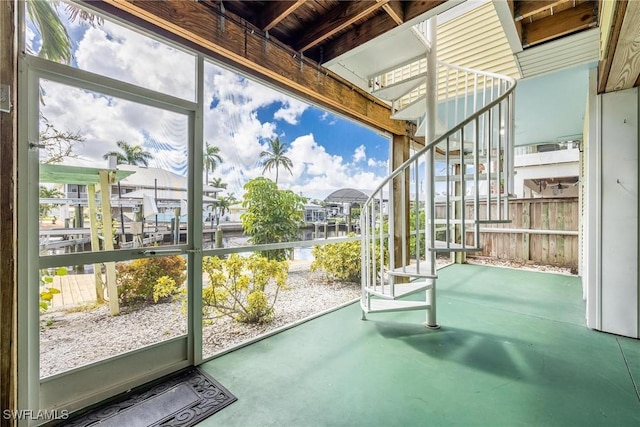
527 8
335 21
562 23
275 11
395 10
372 28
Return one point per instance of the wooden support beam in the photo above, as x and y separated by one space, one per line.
372 28
400 154
233 42
527 8
609 48
275 11
107 231
625 68
395 10
336 20
8 218
566 22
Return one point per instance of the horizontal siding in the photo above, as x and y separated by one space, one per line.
476 40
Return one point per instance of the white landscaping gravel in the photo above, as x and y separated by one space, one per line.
69 340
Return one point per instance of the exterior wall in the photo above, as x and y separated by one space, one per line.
552 164
611 239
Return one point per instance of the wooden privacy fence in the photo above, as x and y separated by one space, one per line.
542 230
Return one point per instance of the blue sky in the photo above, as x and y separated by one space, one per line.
328 151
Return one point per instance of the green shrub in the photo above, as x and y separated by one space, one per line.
342 261
339 261
272 216
245 289
150 279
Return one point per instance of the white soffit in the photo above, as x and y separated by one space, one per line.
576 49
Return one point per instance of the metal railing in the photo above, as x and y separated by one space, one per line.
471 161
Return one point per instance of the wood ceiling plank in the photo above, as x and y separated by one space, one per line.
275 11
372 28
395 10
559 24
626 61
337 20
231 41
527 8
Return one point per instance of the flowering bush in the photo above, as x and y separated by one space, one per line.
245 289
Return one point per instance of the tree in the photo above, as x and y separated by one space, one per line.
272 215
275 157
48 193
130 154
211 160
58 145
225 202
217 182
56 42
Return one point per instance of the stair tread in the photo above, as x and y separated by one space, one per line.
396 90
400 289
411 270
385 305
412 111
441 244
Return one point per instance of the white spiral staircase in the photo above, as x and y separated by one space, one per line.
461 177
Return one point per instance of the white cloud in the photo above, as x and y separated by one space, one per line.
120 53
290 111
359 154
232 122
373 163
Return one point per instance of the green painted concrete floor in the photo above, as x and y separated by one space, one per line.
513 350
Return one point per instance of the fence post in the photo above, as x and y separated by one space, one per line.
526 223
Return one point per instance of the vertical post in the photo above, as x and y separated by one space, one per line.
400 208
107 227
95 241
526 223
430 121
8 218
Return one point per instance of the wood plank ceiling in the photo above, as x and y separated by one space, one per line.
323 29
541 21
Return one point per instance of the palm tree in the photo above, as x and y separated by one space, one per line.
217 182
275 157
48 193
211 160
130 154
225 202
56 42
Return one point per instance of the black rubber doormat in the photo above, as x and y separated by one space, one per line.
180 400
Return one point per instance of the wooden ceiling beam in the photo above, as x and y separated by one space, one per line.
233 42
413 9
527 8
373 28
609 47
395 10
625 67
562 23
275 11
336 20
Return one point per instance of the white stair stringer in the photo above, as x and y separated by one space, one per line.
447 189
